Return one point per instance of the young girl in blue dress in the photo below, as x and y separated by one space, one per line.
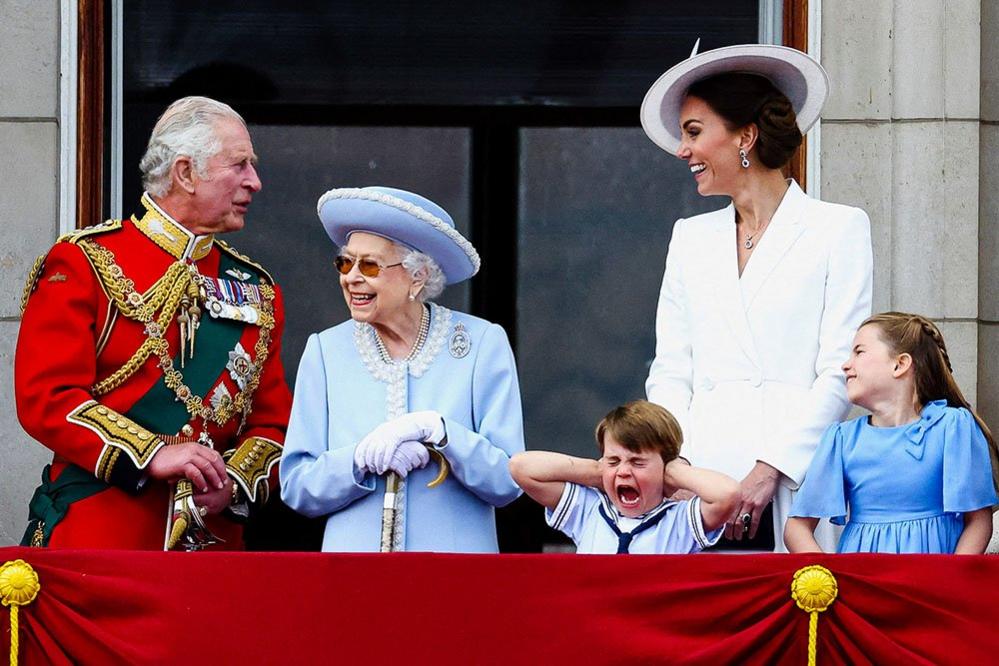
917 475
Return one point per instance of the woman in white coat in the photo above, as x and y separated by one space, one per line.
759 300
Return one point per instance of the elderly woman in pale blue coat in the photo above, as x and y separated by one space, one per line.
403 381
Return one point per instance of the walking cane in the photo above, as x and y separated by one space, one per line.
390 508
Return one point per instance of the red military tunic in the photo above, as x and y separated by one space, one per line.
98 379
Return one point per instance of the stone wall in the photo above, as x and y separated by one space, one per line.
910 134
29 207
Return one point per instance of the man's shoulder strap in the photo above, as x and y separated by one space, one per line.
73 237
77 235
242 258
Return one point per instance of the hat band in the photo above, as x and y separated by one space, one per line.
416 211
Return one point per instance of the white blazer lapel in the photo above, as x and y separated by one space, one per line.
723 265
785 228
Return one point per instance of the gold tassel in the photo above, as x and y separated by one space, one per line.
813 589
18 587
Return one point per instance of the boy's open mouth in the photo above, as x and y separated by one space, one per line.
628 495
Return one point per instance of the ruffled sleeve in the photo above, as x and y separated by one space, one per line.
823 492
967 470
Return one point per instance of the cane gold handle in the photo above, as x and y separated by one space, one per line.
442 470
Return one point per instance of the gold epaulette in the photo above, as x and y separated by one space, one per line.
79 234
32 281
232 252
72 237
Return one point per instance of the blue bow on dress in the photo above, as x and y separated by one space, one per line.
932 412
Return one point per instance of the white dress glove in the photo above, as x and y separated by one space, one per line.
408 456
375 452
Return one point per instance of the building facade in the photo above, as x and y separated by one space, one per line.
910 134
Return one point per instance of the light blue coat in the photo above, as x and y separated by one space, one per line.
344 390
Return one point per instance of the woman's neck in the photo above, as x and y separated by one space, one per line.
759 199
895 411
400 332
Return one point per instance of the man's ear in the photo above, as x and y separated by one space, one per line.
903 362
182 173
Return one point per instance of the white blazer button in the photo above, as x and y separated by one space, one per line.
757 380
707 384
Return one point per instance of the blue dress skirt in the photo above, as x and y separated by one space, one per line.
904 488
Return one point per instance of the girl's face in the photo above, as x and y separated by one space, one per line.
872 369
709 148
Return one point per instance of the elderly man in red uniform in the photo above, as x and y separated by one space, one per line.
149 360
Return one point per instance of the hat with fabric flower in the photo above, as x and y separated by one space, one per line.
401 216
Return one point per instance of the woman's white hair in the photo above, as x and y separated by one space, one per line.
416 263
187 127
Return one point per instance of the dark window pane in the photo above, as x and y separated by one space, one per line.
596 209
401 52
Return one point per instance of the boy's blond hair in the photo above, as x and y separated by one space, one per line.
642 426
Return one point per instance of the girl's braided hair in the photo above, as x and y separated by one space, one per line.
920 338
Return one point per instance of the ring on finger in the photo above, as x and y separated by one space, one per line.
747 521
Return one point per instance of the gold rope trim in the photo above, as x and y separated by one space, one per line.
813 589
167 294
19 586
32 281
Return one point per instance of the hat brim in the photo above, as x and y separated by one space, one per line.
799 76
344 216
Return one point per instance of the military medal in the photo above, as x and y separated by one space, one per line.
240 366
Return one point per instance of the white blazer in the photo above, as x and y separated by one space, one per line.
750 365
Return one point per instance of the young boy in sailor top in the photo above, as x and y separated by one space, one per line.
620 503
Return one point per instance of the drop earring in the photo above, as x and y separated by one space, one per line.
745 158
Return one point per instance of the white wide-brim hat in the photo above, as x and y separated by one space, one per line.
799 76
401 216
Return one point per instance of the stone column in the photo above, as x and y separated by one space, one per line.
29 201
908 136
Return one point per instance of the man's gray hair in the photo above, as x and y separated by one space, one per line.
187 127
414 261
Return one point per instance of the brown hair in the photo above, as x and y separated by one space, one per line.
642 426
740 99
920 338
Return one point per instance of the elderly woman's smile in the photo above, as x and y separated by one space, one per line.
380 298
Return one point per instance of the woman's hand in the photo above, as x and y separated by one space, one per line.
758 489
376 452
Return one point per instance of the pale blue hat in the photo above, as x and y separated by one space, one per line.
402 216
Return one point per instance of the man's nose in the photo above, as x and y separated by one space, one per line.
253 180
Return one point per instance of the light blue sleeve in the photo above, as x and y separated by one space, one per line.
823 492
480 457
967 468
572 511
314 480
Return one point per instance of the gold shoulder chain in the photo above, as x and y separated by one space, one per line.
167 294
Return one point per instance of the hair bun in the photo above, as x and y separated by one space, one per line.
779 133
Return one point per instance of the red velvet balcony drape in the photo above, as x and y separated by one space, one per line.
104 607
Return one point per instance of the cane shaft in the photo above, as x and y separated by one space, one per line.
389 509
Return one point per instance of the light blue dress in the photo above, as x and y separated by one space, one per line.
466 372
906 487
